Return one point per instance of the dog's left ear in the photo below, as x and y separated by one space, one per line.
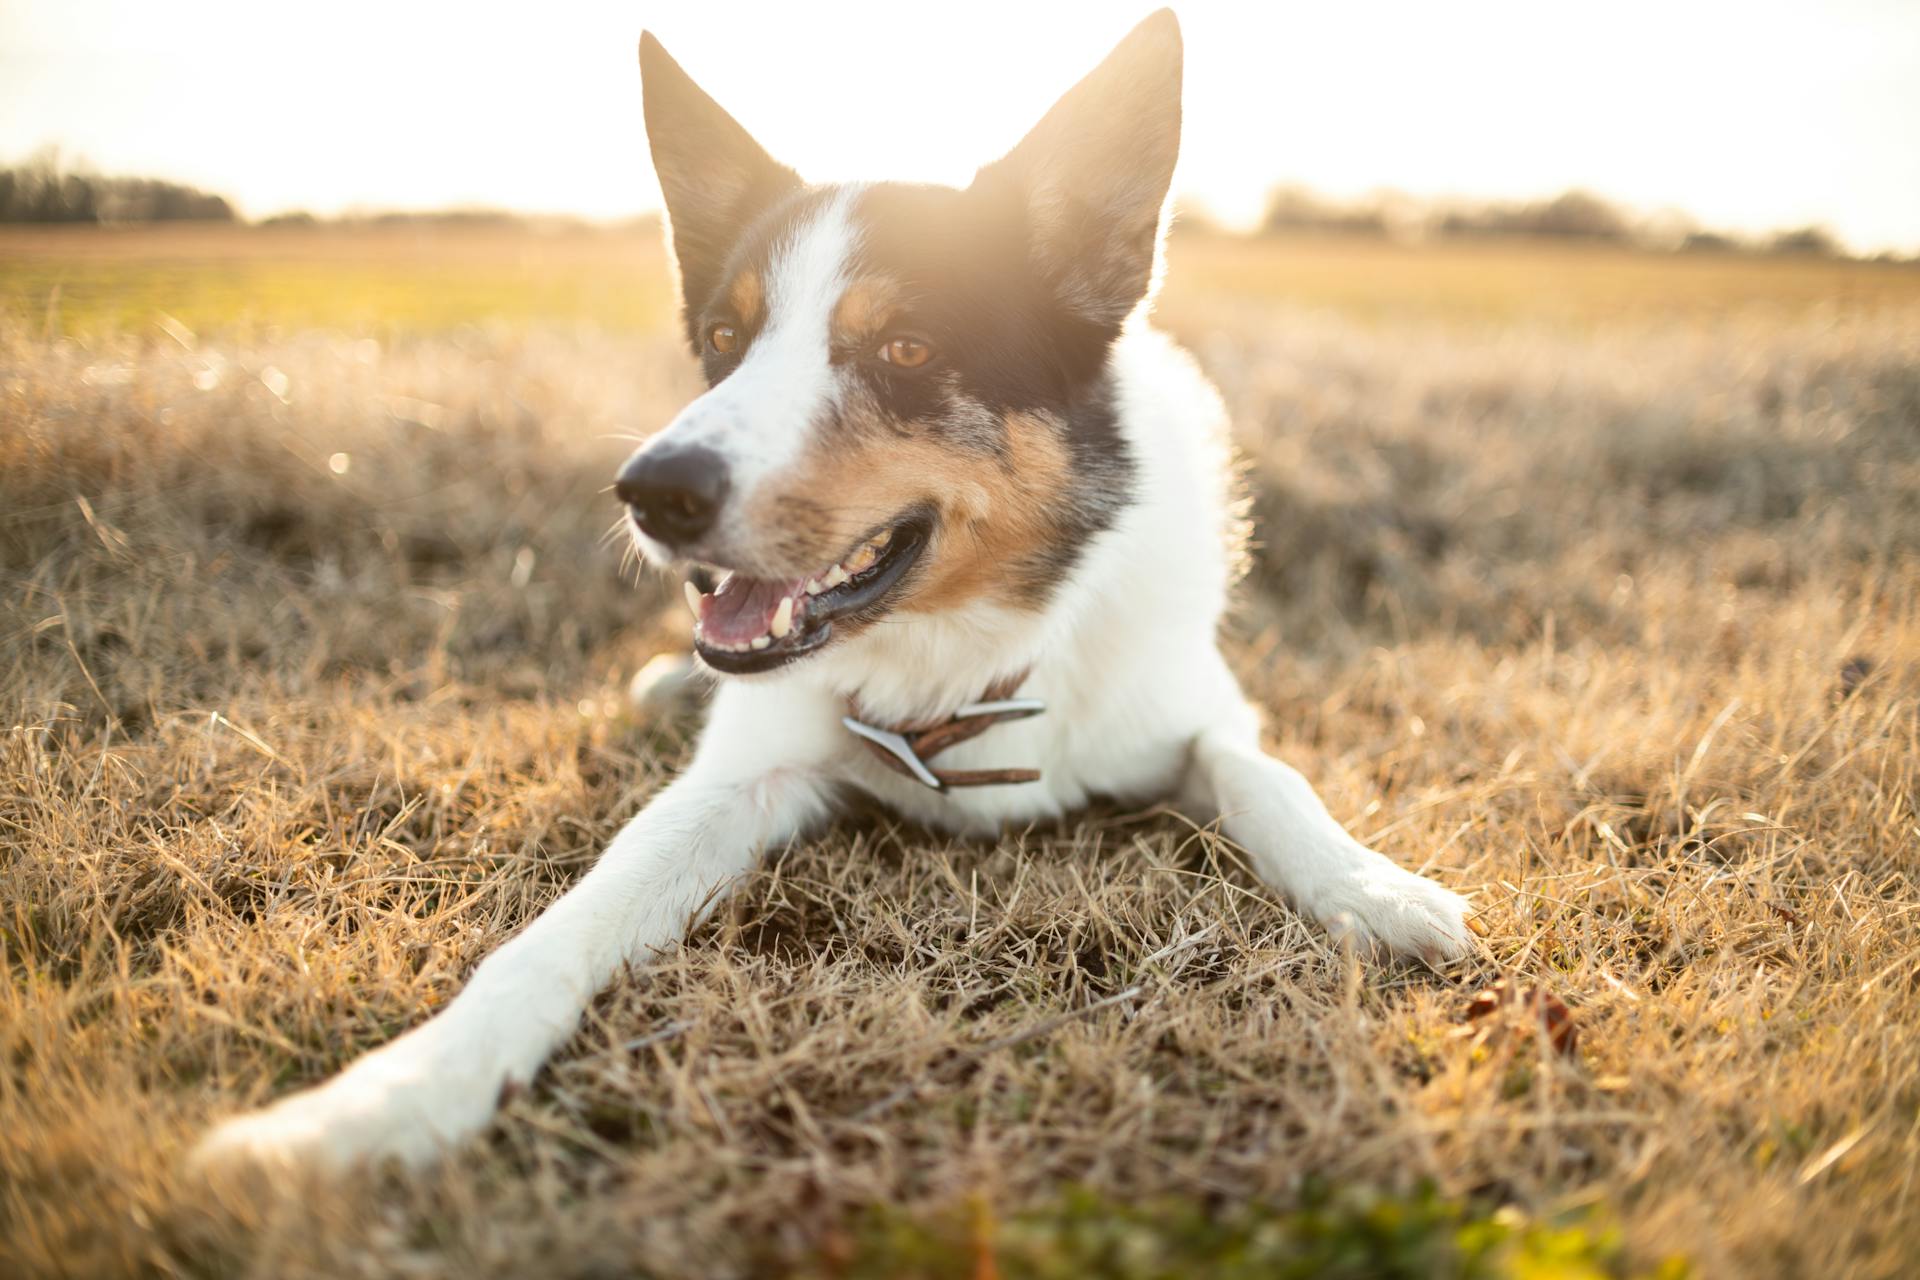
1093 174
716 179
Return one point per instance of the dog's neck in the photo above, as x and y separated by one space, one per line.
920 668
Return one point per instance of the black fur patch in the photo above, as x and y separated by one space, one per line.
1006 342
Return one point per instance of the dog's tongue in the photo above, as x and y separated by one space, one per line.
741 610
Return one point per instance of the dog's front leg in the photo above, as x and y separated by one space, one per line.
439 1084
1269 810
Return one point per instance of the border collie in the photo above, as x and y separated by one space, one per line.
957 527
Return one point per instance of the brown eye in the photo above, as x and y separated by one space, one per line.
724 339
906 353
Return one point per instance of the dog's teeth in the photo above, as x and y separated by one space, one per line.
782 619
813 587
762 642
861 560
694 599
880 542
835 576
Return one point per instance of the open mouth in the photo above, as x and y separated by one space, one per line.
749 625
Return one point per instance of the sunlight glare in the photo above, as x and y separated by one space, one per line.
429 105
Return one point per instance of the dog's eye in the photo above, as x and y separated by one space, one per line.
724 338
906 353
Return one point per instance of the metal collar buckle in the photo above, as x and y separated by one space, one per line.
905 750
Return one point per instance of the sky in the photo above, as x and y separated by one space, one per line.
1750 115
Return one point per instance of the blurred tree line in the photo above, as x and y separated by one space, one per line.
1572 215
43 190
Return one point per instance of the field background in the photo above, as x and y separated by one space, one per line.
1587 581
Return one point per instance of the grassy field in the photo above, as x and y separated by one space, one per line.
403 280
382 281
1587 580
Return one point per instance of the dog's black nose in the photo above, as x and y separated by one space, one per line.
675 493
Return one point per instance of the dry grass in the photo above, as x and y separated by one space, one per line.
1617 627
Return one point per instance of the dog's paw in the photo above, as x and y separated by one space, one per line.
1378 902
393 1104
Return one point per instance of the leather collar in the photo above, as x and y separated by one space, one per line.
905 748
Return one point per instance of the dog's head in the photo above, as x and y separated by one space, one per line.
908 408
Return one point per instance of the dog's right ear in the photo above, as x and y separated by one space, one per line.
1093 175
714 176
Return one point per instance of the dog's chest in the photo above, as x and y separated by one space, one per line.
1082 752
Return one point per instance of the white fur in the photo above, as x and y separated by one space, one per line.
1140 705
760 416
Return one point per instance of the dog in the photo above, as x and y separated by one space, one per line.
958 529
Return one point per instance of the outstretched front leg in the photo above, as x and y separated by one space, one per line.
438 1084
1269 810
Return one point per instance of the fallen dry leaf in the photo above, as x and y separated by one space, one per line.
1548 1011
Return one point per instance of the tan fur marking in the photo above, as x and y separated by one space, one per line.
998 554
996 514
864 310
747 295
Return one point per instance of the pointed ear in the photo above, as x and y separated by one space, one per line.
1093 174
714 176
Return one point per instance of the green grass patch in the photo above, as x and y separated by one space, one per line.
1330 1235
244 281
84 299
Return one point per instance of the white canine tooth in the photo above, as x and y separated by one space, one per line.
835 576
693 599
782 619
762 642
